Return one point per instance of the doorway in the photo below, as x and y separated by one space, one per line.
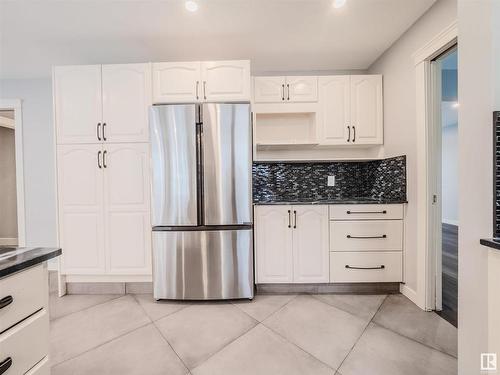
444 70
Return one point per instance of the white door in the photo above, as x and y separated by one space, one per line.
126 95
80 197
269 89
176 82
310 244
367 120
127 208
301 89
273 244
78 103
334 108
225 80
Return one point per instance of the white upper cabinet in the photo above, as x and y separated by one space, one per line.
78 103
80 189
281 89
310 244
351 110
190 82
269 89
334 116
367 109
126 208
126 95
301 89
226 80
273 244
176 82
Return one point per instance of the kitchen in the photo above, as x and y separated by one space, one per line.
223 212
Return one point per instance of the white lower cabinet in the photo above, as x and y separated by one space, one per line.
355 267
291 244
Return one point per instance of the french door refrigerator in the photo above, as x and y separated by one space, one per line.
202 201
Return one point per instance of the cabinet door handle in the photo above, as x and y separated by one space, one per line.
5 364
103 128
104 159
288 91
6 301
365 212
283 92
354 136
289 219
205 90
294 219
367 237
99 159
349 137
381 267
98 131
197 85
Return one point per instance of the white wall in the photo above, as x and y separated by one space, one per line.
449 158
397 66
8 208
39 167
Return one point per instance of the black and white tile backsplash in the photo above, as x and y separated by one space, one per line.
384 180
496 166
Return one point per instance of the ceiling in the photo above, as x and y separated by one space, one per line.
277 35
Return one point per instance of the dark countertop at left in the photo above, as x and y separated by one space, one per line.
25 257
494 243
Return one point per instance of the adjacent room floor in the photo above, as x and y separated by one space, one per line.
274 334
450 273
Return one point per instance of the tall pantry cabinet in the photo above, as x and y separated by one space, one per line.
103 171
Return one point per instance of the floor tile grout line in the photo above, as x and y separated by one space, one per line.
362 333
344 310
102 344
85 308
164 316
268 316
171 347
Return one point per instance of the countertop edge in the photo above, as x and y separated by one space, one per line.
328 203
29 262
490 242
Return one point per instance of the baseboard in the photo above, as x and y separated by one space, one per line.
5 241
109 288
410 294
337 288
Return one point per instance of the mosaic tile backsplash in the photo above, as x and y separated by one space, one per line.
496 166
383 180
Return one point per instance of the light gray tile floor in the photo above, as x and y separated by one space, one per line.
274 334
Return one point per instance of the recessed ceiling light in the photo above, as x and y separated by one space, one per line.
191 5
339 3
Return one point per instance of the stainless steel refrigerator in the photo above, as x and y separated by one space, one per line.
202 201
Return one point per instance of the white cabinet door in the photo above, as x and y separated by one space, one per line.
310 244
269 89
80 196
176 82
367 109
127 208
334 107
126 94
78 103
273 244
301 89
225 80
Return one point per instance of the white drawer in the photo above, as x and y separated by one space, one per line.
28 290
366 211
26 344
41 368
369 235
366 267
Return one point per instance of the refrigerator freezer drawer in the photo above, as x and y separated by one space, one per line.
202 265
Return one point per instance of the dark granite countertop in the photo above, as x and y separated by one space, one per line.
491 242
14 259
334 201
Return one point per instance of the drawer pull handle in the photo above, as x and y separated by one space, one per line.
289 219
367 237
366 212
6 301
365 268
5 364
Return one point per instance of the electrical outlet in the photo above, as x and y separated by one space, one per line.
331 180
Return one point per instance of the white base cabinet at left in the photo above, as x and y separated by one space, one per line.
291 244
104 205
24 322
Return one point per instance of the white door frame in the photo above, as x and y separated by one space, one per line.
16 106
427 212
